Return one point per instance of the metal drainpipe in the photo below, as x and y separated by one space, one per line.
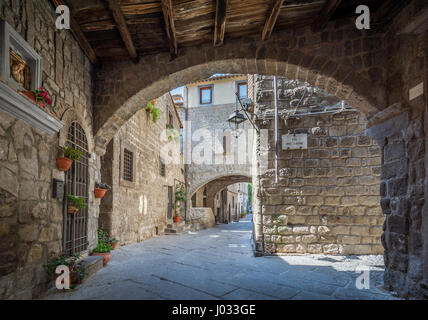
186 117
275 94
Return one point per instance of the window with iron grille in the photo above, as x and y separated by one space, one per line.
128 165
75 228
161 167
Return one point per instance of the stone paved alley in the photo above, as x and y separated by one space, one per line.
218 263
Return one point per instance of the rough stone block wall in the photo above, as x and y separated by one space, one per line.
202 218
327 197
402 192
31 221
137 212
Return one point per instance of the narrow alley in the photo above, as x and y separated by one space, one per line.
218 263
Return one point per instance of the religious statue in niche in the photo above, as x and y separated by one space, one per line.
19 70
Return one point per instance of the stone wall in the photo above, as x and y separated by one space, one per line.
201 218
31 221
327 196
138 211
403 138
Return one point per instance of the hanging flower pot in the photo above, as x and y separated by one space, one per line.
99 193
66 156
101 189
63 164
177 219
72 209
75 203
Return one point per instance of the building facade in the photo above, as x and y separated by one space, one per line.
208 105
141 204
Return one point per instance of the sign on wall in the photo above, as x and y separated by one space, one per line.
294 141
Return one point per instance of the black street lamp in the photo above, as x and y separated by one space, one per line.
236 118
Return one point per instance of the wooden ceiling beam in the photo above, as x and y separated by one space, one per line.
220 22
271 19
123 28
79 35
168 18
325 14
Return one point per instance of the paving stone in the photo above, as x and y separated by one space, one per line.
181 267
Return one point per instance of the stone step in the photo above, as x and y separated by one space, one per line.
93 264
177 228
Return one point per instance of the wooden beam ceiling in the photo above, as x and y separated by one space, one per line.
220 22
325 14
168 18
79 35
123 28
271 19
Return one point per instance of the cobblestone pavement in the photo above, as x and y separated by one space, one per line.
218 263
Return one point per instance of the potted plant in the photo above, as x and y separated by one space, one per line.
113 242
101 189
149 106
66 157
77 270
79 273
177 217
39 96
75 204
103 248
155 114
180 196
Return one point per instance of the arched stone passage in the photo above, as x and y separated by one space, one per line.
324 59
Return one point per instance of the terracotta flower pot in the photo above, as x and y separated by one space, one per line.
106 256
114 245
177 219
72 209
63 164
99 193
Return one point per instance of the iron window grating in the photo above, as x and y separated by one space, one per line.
128 165
77 183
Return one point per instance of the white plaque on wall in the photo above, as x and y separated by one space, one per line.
294 141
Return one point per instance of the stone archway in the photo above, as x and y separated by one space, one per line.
324 59
369 71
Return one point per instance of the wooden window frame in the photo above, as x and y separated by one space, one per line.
238 85
206 87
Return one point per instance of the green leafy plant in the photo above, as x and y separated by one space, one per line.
150 105
70 262
180 197
155 114
80 271
180 192
102 247
76 201
104 244
112 240
70 153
